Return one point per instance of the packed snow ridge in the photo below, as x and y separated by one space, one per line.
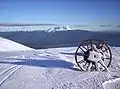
8 45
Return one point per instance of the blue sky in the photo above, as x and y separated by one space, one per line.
85 12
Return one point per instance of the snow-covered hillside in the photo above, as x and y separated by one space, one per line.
8 45
54 68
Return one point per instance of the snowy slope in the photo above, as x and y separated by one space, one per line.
8 45
54 68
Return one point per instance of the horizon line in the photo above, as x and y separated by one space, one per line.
48 24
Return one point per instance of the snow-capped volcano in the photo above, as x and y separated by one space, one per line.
59 28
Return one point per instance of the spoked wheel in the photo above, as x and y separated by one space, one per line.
82 54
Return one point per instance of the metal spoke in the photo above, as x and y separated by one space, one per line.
106 58
91 43
88 66
85 64
82 49
80 54
87 44
102 44
105 50
81 61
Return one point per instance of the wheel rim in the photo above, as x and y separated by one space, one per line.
87 45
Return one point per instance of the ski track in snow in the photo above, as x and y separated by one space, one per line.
10 74
6 70
6 73
15 68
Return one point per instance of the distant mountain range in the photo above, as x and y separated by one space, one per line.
51 35
33 27
53 27
61 38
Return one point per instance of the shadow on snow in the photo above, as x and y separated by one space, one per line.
42 63
78 53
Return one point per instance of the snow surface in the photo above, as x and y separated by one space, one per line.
8 45
53 68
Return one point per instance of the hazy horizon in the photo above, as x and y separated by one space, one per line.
4 27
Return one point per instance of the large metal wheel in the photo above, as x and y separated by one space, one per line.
82 53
